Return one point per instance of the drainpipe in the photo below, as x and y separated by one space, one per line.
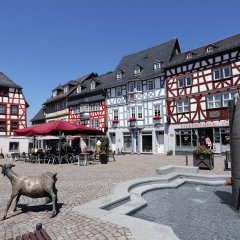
234 124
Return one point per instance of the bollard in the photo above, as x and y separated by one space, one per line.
38 226
186 160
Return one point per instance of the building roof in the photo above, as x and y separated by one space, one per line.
145 60
39 116
74 83
219 46
7 82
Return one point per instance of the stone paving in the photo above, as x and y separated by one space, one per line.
78 185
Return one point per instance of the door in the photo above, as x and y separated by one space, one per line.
160 141
113 141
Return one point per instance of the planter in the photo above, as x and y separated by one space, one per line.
203 161
103 158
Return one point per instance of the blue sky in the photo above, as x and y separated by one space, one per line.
47 42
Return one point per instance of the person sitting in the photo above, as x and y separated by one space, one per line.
208 142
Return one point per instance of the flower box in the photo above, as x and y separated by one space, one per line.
131 119
156 117
115 121
203 161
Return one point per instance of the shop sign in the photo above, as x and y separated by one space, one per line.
207 124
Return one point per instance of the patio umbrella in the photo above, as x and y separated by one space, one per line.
57 128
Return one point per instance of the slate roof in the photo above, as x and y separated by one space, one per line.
145 59
71 82
7 82
219 46
39 116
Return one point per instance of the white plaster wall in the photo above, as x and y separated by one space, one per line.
23 144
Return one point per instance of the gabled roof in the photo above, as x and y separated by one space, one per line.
39 116
145 59
219 46
7 82
74 83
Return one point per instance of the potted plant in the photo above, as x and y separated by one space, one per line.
103 155
203 157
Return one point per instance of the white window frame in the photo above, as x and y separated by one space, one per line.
209 49
183 82
189 55
119 75
227 96
214 75
93 85
118 91
115 115
150 85
186 81
214 100
65 89
157 65
79 88
157 110
224 73
132 112
140 112
183 106
137 70
138 86
131 87
54 93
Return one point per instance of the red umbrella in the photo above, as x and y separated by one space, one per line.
57 128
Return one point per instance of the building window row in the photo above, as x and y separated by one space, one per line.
94 123
185 82
222 73
135 112
3 126
14 109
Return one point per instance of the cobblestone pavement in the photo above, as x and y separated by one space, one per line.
78 185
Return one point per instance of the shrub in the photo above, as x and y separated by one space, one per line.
170 152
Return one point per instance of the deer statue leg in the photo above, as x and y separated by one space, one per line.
16 202
54 201
8 204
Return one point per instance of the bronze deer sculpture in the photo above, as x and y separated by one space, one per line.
31 186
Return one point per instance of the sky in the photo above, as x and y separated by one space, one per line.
44 43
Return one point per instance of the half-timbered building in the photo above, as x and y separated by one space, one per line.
199 85
13 116
87 106
136 101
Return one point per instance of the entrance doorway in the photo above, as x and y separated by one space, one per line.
160 142
113 141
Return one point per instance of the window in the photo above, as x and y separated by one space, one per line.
137 70
65 89
226 97
94 107
115 114
139 86
140 112
132 113
13 146
214 101
119 75
14 110
209 49
185 82
217 74
2 126
150 85
118 91
183 106
157 111
131 87
94 123
93 85
189 55
79 88
226 72
181 83
2 109
14 126
157 65
54 93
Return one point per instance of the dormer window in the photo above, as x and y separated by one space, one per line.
65 89
137 70
189 55
93 85
209 48
54 93
157 65
79 88
119 75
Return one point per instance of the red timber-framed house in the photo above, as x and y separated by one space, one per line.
87 106
13 116
199 85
